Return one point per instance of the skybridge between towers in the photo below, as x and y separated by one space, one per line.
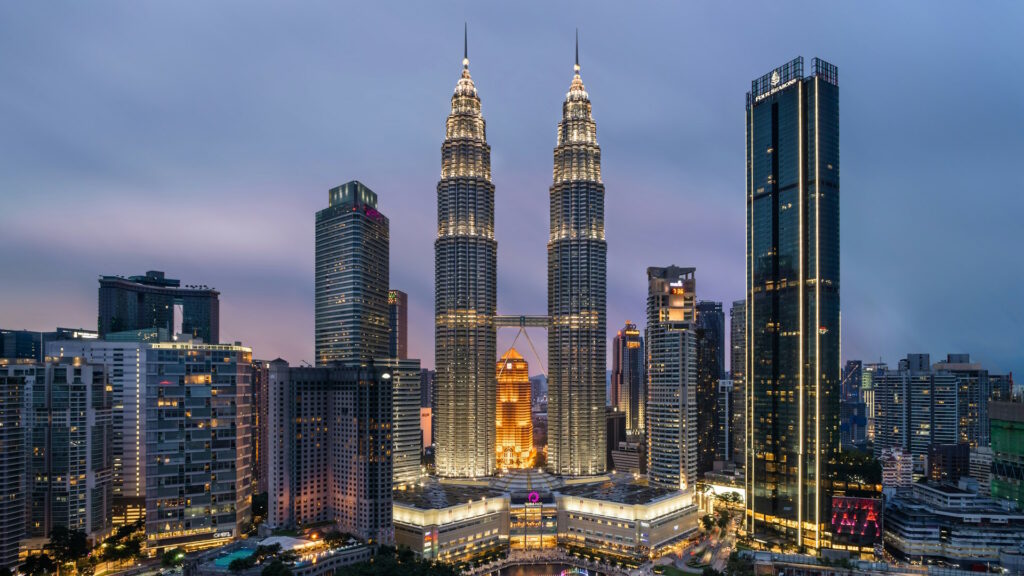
511 321
523 322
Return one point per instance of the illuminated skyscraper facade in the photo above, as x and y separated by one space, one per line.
792 300
629 376
671 377
198 410
465 297
577 279
514 421
351 277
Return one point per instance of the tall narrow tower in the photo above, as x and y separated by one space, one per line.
577 265
465 262
792 314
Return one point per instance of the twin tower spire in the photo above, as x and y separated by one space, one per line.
465 48
465 304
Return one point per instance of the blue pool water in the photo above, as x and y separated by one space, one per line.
223 561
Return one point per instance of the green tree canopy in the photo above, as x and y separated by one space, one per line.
39 565
276 568
173 557
67 545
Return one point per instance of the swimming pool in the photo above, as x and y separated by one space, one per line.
224 561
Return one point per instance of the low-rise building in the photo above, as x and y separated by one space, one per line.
451 522
622 519
312 557
1007 432
950 525
530 510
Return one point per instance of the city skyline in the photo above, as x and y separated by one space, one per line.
77 158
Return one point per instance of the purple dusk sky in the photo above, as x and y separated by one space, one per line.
201 138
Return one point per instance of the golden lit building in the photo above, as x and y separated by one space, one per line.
514 447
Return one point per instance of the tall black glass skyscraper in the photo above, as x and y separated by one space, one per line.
465 292
351 277
710 332
577 280
793 300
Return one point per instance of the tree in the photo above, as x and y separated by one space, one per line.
739 566
723 518
173 557
38 565
276 568
707 521
67 545
336 539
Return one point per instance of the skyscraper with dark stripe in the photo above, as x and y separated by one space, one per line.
465 260
577 278
792 301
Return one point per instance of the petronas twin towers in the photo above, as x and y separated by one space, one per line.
465 276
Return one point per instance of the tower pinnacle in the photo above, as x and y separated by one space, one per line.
576 68
465 45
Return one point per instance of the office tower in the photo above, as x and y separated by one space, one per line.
260 406
914 407
629 378
427 381
329 449
70 463
198 444
514 448
1001 386
948 463
867 393
21 345
1006 420
14 379
31 345
155 301
398 324
671 377
405 428
853 423
615 430
351 277
981 469
465 297
792 299
723 423
849 389
577 278
737 367
710 331
975 392
897 469
125 363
